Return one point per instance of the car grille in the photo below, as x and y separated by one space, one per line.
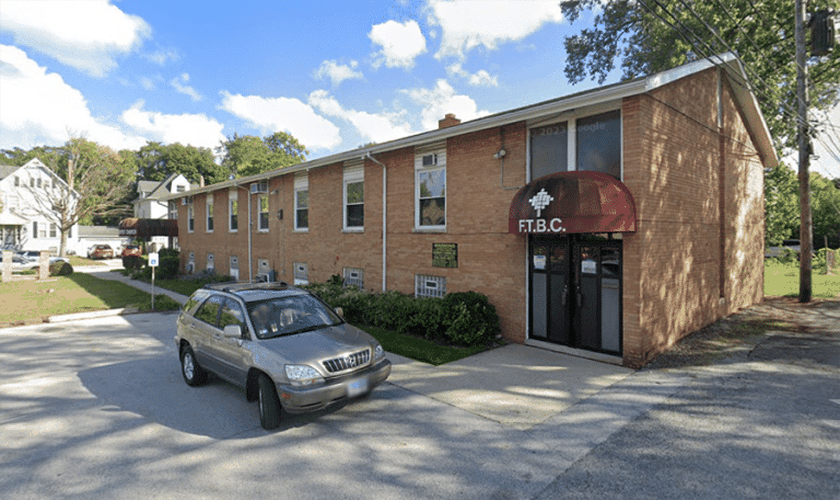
347 362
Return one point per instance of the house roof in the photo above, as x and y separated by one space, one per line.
99 232
7 170
728 63
157 190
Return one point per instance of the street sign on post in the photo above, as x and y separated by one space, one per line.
153 263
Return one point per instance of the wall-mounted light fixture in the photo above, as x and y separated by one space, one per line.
501 154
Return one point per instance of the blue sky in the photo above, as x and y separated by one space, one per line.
335 75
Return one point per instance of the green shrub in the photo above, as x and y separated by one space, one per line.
169 263
473 319
133 262
61 269
162 303
466 319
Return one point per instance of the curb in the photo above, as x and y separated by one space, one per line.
92 314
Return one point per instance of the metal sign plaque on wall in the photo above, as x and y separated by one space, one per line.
444 254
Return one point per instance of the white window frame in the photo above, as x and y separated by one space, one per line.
209 222
439 151
429 286
233 199
302 184
190 218
260 227
353 174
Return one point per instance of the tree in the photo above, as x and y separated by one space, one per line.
825 203
156 162
654 35
245 155
95 179
781 204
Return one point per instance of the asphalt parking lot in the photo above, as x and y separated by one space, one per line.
97 409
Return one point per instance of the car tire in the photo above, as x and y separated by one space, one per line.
269 403
194 374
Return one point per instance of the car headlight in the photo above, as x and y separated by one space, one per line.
303 374
378 352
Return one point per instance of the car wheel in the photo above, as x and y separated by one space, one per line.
269 403
194 375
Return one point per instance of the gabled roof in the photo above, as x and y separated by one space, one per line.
7 170
729 63
157 190
34 163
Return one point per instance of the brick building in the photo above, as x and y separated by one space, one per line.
608 223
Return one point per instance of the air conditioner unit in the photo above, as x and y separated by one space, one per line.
430 160
190 268
259 187
262 278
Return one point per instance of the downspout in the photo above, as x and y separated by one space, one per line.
250 264
384 216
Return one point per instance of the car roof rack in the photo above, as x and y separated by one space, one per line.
234 286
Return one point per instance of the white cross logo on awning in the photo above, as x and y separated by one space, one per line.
540 201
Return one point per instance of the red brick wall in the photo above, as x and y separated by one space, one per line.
676 164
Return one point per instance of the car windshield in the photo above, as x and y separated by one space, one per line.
290 315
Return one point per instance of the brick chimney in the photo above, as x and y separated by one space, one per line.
448 121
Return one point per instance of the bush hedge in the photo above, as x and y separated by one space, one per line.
465 319
60 268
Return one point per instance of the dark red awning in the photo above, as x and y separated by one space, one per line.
573 202
144 229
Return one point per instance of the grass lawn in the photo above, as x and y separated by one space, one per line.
783 280
29 301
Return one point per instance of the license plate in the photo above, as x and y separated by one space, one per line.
357 388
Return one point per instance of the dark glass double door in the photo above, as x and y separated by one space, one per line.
575 292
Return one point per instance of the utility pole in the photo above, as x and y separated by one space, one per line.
805 229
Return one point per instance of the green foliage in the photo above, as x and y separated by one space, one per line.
648 37
781 204
245 155
162 303
133 262
169 263
156 162
60 268
464 319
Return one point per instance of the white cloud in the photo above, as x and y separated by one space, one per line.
162 56
401 44
85 35
38 108
479 79
274 114
180 84
337 73
373 127
442 99
466 25
189 129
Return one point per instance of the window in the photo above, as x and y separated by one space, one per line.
32 182
17 181
190 218
354 197
52 230
38 182
209 311
34 229
233 210
549 150
263 220
430 168
429 286
354 277
232 314
301 203
599 143
180 188
210 213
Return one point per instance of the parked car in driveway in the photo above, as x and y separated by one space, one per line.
131 250
35 257
287 349
19 262
101 252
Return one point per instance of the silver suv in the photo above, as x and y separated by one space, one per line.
287 348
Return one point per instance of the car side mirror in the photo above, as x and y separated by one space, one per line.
340 312
233 332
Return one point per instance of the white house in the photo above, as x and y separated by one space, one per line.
150 205
28 220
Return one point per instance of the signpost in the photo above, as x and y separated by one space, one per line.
153 263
